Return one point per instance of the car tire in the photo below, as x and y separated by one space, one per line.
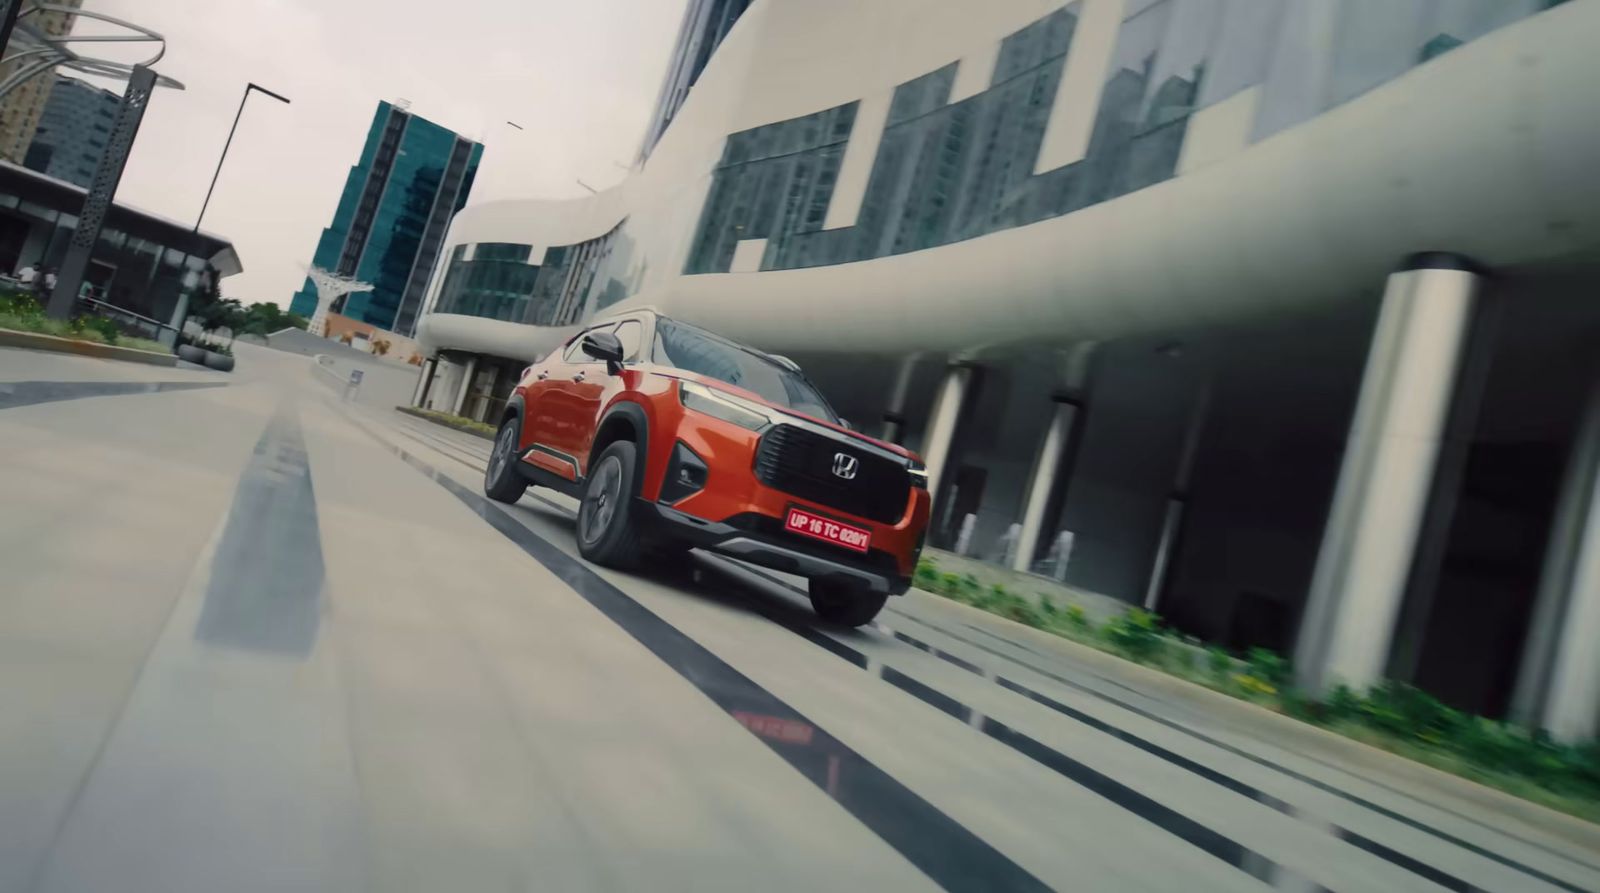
502 481
845 604
608 532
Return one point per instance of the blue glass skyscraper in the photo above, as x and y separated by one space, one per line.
413 177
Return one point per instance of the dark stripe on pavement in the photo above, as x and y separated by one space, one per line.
27 393
266 579
948 853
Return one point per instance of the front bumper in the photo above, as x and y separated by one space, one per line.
757 539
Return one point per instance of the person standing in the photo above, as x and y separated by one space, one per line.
28 274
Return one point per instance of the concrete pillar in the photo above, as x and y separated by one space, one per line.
466 385
1558 687
1049 473
894 416
424 382
1379 504
941 439
939 443
1178 497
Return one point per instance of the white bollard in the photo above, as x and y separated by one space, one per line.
1060 554
964 538
1008 544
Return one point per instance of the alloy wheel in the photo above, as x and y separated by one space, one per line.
600 500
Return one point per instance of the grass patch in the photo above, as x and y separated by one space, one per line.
1393 716
481 429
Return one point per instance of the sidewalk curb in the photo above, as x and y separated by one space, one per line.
36 341
1419 781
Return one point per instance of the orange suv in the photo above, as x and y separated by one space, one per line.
672 437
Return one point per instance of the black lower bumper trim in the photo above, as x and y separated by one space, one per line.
750 538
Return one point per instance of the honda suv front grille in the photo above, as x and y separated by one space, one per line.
809 465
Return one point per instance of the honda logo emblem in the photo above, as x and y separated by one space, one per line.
845 466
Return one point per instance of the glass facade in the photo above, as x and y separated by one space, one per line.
774 183
389 227
73 131
497 283
498 280
705 24
947 171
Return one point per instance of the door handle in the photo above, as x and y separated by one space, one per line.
578 377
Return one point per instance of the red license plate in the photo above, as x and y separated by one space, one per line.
828 530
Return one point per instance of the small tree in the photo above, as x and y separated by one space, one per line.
380 347
222 313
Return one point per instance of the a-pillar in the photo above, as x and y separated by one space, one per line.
1387 474
1050 471
466 385
940 445
1558 688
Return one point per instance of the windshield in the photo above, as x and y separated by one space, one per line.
695 350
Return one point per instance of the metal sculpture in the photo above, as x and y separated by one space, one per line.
33 51
330 287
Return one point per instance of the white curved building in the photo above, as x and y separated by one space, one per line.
1284 310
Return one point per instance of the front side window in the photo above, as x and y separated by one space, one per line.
696 350
630 332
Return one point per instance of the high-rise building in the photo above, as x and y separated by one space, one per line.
21 109
73 131
412 178
705 24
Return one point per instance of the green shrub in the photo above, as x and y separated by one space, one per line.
1013 607
1409 712
969 590
927 576
1186 661
1136 633
1078 621
1218 662
1343 703
950 585
1303 707
1047 606
1268 666
20 304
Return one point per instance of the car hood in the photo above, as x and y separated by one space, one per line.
753 397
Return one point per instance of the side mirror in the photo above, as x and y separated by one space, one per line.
604 346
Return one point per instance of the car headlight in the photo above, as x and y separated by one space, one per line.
741 412
918 473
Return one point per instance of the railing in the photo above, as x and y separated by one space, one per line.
131 323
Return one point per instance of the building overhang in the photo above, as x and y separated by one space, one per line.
472 334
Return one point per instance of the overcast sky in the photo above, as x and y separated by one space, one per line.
579 75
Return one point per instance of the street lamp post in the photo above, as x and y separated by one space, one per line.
181 312
225 146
